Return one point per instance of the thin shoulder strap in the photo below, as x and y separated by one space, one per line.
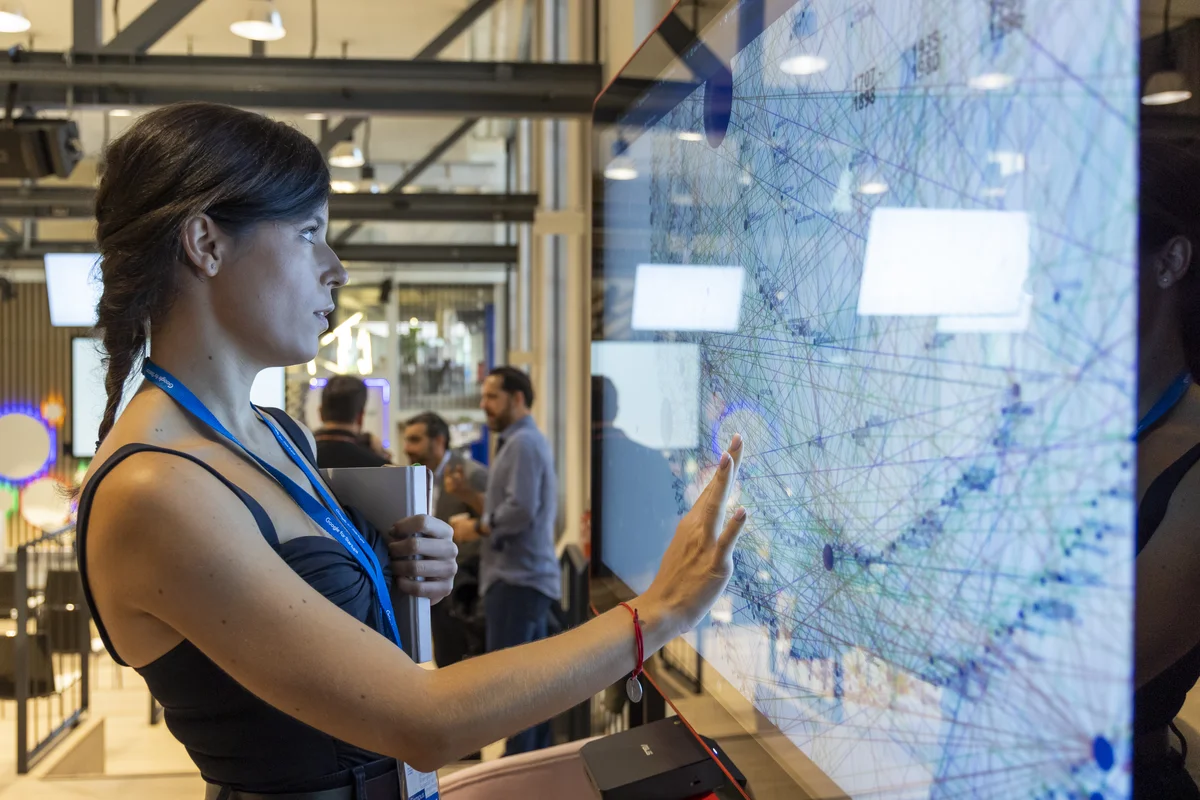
292 429
1153 507
265 526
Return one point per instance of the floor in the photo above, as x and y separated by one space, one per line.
143 762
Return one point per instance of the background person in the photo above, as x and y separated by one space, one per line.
519 573
457 621
341 441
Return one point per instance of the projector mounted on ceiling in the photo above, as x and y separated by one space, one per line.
39 148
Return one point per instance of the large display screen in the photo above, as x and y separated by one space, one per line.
892 244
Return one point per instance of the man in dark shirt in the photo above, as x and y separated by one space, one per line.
341 441
457 620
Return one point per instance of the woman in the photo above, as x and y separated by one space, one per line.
214 560
1167 658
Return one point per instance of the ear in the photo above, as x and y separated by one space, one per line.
1173 262
205 245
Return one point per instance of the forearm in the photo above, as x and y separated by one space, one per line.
508 517
485 699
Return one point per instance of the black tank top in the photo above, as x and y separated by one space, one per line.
1157 703
235 738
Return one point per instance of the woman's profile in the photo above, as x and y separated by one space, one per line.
215 560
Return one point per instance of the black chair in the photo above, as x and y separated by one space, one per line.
41 667
64 588
66 629
8 593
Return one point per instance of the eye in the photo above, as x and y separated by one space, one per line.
310 234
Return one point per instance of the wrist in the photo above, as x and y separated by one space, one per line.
660 624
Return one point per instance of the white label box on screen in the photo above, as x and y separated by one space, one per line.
684 297
944 262
386 495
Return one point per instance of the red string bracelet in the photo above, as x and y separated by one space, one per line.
633 687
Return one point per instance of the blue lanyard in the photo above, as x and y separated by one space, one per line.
327 513
1168 401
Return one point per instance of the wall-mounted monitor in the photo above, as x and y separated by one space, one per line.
892 245
73 286
89 397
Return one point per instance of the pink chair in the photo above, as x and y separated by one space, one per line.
556 772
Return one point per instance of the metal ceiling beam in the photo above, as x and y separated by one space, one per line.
346 128
455 29
77 202
358 86
87 25
339 133
150 26
378 253
415 170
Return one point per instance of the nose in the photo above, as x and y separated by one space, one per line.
336 273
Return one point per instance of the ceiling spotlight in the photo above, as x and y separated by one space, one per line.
621 168
804 65
346 155
316 116
690 136
12 20
1167 86
262 23
120 112
875 186
343 187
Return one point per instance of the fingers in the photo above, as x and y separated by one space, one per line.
423 525
433 590
428 569
729 537
722 483
444 549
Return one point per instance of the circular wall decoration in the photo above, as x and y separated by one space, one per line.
46 504
28 445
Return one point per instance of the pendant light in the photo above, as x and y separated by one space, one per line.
1168 85
346 155
262 23
12 19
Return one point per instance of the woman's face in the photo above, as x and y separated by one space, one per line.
276 290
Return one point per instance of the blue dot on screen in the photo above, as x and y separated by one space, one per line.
1095 796
827 557
1102 750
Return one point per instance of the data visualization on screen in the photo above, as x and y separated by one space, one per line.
903 243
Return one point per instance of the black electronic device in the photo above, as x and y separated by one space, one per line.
659 761
39 148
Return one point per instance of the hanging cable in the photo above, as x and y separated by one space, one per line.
366 147
312 50
116 17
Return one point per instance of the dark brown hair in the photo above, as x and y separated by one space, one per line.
175 163
343 399
435 426
513 380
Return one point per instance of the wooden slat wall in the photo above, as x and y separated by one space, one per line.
35 362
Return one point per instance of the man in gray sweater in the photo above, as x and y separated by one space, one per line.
519 573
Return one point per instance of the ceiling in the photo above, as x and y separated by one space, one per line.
360 29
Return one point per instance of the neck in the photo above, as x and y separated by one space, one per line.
216 372
349 427
1160 363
